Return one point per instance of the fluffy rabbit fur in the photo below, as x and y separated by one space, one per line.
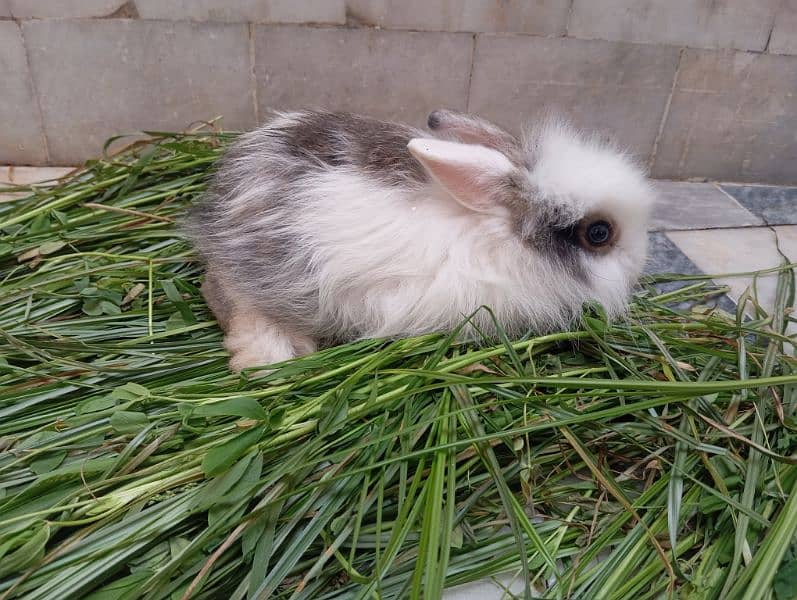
322 227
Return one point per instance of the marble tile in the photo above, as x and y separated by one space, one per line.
63 9
487 589
30 175
787 240
10 196
665 257
13 175
774 205
729 251
683 205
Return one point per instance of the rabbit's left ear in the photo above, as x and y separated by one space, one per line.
471 129
470 173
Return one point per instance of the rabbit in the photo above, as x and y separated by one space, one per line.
322 227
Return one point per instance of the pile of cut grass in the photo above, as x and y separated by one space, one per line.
639 459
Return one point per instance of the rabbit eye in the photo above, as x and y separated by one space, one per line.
596 234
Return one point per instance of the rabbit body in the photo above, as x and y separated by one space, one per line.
325 227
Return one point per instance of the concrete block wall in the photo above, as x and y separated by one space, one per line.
694 88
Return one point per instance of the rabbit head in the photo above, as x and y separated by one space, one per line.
578 205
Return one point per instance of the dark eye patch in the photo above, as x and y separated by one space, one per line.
558 245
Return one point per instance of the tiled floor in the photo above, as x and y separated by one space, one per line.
27 176
725 229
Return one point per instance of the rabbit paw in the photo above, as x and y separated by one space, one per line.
255 341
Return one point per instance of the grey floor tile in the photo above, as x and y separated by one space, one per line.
774 205
683 205
729 253
665 257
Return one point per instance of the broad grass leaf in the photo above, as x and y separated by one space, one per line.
785 582
333 414
242 406
37 439
47 463
125 588
127 421
220 458
28 552
76 470
215 490
40 223
245 484
241 489
252 534
96 404
175 321
176 298
60 216
109 308
92 307
130 391
275 416
177 545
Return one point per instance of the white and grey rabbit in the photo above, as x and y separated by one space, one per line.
322 227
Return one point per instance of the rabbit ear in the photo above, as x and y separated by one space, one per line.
470 173
471 129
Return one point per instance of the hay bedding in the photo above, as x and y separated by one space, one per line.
133 464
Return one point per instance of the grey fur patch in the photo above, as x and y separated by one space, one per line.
343 139
546 226
261 178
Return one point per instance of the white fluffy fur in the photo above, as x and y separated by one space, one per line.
419 262
593 178
399 261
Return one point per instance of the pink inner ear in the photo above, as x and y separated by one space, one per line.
469 172
459 181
